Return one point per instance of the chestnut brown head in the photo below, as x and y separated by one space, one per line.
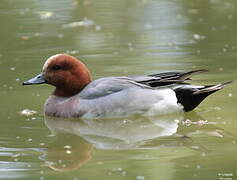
65 72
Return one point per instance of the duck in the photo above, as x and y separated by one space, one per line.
76 95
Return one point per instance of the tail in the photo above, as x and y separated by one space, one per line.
191 96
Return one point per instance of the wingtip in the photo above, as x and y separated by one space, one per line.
187 75
198 71
226 83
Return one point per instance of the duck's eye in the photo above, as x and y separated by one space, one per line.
56 67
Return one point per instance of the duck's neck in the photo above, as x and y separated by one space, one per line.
67 92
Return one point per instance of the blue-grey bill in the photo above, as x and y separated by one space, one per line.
39 79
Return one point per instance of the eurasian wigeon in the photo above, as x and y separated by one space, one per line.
76 95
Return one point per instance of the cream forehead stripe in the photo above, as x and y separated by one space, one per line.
49 60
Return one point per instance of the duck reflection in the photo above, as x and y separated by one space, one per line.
76 138
117 133
68 152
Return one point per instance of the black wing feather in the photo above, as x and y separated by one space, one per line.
168 78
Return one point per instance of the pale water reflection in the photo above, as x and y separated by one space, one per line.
76 138
116 133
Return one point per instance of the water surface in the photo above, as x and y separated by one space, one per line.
118 38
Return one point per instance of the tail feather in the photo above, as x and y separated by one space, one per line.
212 88
191 96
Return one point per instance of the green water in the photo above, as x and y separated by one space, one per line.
118 38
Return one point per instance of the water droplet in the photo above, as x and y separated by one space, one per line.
140 177
213 28
28 112
176 120
60 161
60 36
117 169
45 14
16 155
124 173
187 122
221 69
193 11
67 147
97 28
148 26
198 37
217 108
195 147
84 23
25 38
68 152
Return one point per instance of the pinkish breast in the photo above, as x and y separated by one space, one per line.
62 107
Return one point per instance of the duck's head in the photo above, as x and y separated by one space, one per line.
65 72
